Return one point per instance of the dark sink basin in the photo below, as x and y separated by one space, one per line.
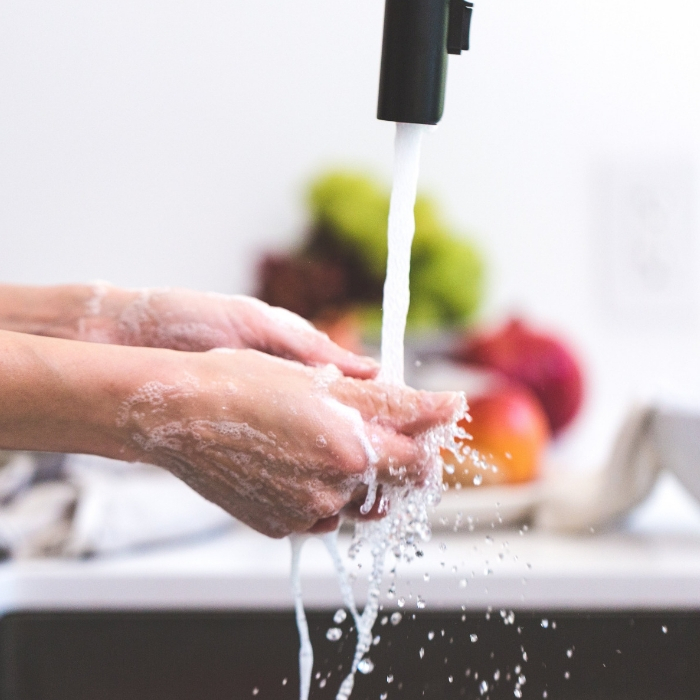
232 655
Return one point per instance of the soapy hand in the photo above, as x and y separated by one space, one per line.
183 319
281 446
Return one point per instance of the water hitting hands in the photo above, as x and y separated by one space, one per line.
282 446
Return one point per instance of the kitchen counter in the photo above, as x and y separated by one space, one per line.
242 570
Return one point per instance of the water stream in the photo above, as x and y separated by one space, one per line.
406 523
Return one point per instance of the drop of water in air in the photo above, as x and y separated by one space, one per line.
333 634
365 666
396 618
340 616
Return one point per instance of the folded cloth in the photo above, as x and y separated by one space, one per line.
91 505
124 506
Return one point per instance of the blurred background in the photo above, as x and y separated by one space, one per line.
151 143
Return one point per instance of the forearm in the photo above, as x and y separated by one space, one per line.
64 396
88 312
51 311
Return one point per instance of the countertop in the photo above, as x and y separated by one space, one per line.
652 563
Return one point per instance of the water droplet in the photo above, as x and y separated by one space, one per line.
497 674
390 678
517 669
256 691
664 629
567 675
477 480
421 652
521 679
401 602
554 625
431 635
483 687
333 634
318 675
545 623
284 681
509 455
321 441
383 696
473 638
426 576
396 618
488 539
488 572
545 694
376 640
365 666
322 683
442 546
569 652
450 679
420 603
518 693
525 656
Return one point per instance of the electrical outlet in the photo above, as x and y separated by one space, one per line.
646 252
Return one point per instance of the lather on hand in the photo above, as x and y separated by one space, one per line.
267 431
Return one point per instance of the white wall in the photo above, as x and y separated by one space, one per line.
150 143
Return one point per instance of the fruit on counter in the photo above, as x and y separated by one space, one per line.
510 432
539 361
341 264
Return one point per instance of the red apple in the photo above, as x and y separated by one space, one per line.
541 362
509 430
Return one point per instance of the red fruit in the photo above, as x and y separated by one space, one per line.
541 362
509 430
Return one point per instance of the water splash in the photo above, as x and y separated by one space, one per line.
406 523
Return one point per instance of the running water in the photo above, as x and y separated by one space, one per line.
407 521
306 651
402 226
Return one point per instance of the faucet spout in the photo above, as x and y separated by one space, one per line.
418 35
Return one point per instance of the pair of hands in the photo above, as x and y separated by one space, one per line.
279 429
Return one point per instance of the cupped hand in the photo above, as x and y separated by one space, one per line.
282 446
182 319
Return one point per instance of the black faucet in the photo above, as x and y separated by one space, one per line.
418 35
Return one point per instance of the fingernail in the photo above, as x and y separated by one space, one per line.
444 401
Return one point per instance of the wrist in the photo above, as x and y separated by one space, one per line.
55 311
64 396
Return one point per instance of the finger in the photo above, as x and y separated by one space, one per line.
398 459
379 509
402 409
316 348
287 335
324 525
